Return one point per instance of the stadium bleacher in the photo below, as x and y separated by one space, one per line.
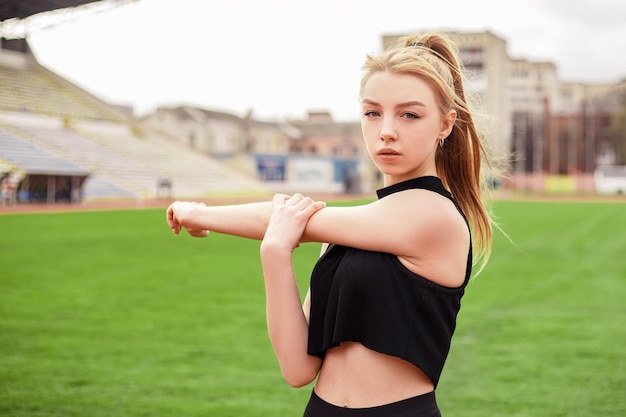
33 159
51 119
43 175
39 91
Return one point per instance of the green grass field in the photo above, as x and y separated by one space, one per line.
108 314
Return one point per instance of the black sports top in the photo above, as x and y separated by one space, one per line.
372 298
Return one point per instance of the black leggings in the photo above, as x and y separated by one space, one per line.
423 405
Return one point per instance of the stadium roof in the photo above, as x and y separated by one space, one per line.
21 9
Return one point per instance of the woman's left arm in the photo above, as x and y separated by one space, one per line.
286 321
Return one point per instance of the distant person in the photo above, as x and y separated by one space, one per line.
3 190
8 190
375 327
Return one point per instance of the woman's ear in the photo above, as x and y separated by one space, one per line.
448 123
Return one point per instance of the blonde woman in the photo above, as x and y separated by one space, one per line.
376 325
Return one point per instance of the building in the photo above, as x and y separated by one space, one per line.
533 89
312 155
215 133
339 142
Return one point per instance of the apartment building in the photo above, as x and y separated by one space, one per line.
217 134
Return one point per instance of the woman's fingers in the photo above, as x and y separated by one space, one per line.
298 202
306 205
198 233
175 211
171 219
314 207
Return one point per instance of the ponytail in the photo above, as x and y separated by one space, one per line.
459 160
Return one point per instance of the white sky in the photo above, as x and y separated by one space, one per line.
282 58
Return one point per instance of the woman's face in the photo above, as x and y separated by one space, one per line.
402 125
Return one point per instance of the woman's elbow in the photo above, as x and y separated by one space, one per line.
302 373
298 379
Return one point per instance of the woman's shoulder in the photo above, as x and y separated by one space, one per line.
437 237
422 205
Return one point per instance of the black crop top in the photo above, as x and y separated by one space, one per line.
372 298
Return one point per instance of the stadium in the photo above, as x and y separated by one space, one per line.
105 313
61 144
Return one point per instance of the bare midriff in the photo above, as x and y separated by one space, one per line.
356 377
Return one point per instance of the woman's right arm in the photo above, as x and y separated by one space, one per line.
406 224
245 220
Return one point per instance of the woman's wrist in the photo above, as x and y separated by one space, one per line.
275 249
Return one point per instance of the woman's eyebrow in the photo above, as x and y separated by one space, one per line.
411 103
400 105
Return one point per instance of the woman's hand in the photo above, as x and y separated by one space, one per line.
178 216
289 217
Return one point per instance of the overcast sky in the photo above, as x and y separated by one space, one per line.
282 58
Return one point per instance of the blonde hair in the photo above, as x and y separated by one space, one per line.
433 58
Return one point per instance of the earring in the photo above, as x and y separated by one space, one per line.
441 140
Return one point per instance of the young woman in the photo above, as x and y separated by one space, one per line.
376 325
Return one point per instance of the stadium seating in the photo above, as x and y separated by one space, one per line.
32 158
124 164
33 89
46 121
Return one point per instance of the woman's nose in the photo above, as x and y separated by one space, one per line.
388 131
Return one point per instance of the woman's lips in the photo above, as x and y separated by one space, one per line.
388 154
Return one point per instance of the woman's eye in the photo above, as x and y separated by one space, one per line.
371 113
411 116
